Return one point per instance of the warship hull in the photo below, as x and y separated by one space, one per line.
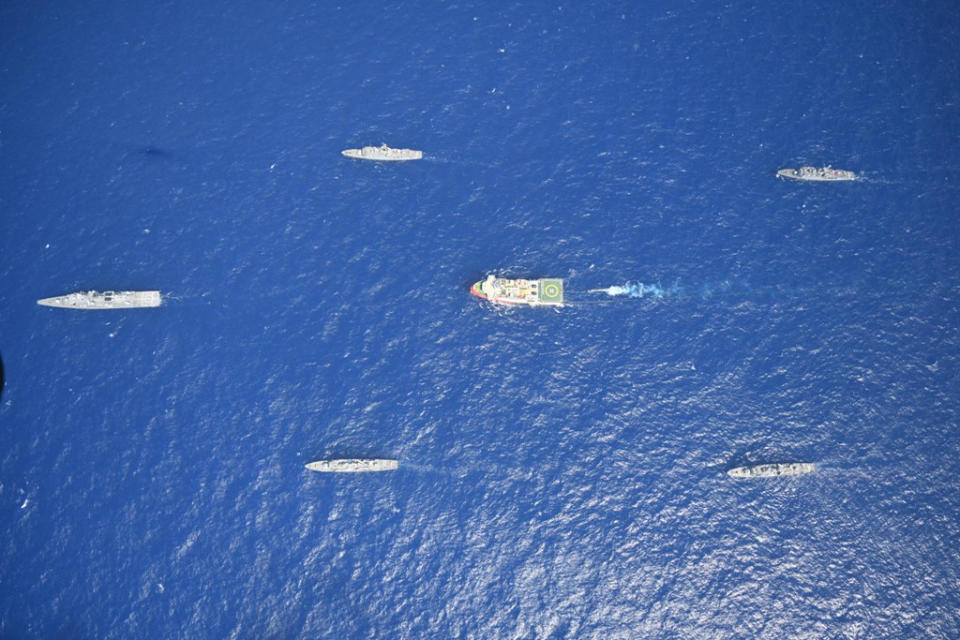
352 465
383 153
772 470
95 300
817 174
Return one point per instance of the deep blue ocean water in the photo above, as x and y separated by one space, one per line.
562 472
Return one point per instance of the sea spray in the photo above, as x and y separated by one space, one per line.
635 290
739 289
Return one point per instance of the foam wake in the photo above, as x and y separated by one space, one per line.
636 290
707 291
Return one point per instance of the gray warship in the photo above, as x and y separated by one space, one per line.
772 470
383 152
352 465
104 300
817 174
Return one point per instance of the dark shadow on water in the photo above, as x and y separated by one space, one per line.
151 151
472 280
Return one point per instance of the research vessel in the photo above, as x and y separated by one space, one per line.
352 465
383 152
772 470
534 293
817 174
104 300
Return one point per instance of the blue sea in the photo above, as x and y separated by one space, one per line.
562 472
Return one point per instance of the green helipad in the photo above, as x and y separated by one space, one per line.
551 291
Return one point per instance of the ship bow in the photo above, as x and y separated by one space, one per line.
477 291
